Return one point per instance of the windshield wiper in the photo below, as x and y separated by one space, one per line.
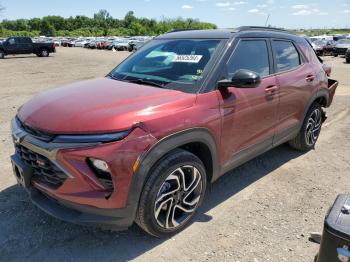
139 81
146 82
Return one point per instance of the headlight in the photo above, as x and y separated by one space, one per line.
100 164
103 138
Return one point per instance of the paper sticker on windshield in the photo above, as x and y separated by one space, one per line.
187 58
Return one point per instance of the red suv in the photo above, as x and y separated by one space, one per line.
142 143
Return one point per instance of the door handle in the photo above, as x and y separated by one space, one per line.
270 90
310 78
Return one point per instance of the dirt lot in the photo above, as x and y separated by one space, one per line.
262 211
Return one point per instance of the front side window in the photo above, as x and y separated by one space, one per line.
12 41
287 57
252 55
178 64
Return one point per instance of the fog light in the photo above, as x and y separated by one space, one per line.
100 165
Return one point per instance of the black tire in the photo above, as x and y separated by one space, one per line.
348 60
2 54
44 53
156 187
310 130
335 55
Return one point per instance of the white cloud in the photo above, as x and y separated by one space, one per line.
347 11
303 12
299 6
261 6
239 3
186 7
231 8
254 10
270 2
223 4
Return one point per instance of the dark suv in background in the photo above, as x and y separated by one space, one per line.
142 143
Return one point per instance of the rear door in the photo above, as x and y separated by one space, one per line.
249 114
25 45
296 80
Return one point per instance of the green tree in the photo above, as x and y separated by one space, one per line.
47 29
102 23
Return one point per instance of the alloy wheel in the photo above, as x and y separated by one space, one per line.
178 197
313 127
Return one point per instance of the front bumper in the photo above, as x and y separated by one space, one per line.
81 198
118 219
340 51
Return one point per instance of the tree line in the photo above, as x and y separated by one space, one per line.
101 24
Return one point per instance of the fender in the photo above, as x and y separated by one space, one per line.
163 146
320 93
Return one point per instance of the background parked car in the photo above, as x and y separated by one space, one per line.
324 47
100 44
80 43
92 44
135 45
68 43
341 47
122 45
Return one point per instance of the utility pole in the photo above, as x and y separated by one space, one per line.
267 19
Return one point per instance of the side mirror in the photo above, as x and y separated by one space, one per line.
242 78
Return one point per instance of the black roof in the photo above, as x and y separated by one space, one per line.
246 31
210 33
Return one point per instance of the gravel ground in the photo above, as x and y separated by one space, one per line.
261 211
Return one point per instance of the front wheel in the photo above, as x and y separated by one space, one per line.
310 130
2 54
172 194
348 60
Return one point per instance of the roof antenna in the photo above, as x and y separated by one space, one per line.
267 19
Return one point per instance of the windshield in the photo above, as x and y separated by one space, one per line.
320 42
172 64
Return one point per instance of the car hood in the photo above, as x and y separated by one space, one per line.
342 46
99 106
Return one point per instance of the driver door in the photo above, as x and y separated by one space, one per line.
11 47
249 114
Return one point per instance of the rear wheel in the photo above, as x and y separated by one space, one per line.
310 130
172 194
2 54
348 60
44 53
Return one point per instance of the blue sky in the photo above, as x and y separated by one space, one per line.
224 13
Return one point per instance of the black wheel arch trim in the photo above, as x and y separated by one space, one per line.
162 147
321 93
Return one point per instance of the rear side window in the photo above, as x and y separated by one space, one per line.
25 40
287 56
252 55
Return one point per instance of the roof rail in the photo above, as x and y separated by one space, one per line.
263 28
179 30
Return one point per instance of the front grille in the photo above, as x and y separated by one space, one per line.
44 136
44 171
341 50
